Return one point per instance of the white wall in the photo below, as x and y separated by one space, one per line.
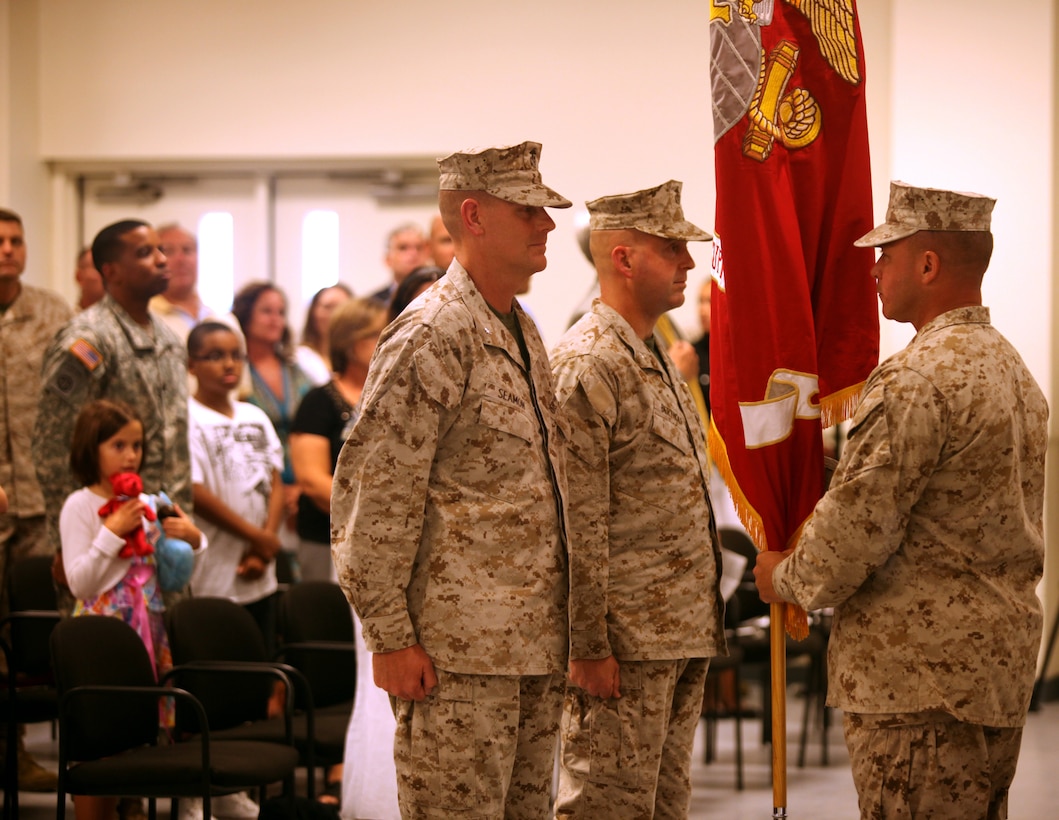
973 110
618 92
23 177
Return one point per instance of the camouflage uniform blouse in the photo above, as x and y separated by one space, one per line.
448 499
930 541
643 555
26 329
102 353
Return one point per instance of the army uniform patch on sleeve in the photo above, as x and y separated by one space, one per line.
75 369
86 354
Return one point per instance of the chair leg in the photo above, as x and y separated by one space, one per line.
815 701
825 713
11 771
710 716
711 698
806 712
738 729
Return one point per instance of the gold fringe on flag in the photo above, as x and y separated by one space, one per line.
796 621
840 405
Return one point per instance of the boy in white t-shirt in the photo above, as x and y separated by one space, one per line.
236 458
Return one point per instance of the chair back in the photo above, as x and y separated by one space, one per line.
97 650
313 611
216 629
30 589
747 604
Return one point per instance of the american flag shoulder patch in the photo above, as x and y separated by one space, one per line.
85 353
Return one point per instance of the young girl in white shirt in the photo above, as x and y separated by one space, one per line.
107 441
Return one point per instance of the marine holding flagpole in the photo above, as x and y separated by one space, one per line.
930 541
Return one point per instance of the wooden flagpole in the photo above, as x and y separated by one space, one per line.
778 656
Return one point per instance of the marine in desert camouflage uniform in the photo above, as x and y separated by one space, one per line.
645 607
29 319
118 350
448 509
930 541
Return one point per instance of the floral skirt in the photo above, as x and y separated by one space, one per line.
137 600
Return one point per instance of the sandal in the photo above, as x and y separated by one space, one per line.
331 794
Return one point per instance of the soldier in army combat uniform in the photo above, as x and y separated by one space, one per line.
929 543
448 509
645 606
118 350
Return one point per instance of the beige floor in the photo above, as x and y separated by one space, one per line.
813 793
827 793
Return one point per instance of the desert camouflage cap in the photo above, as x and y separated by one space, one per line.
508 173
655 211
912 210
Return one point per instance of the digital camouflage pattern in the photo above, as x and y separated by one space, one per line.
27 327
449 495
929 764
102 353
494 759
644 571
656 211
629 758
912 210
507 173
929 542
644 555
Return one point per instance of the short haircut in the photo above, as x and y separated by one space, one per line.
310 335
109 242
352 321
9 216
98 421
405 292
198 334
243 309
449 205
969 251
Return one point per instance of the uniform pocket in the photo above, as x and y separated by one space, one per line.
507 417
613 727
453 768
671 431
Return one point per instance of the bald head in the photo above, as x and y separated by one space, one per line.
601 245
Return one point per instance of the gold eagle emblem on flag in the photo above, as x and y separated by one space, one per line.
794 117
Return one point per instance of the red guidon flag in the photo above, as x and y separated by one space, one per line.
795 328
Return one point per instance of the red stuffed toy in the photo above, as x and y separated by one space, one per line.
127 486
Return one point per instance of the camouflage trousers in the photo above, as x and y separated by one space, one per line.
629 758
930 765
480 746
